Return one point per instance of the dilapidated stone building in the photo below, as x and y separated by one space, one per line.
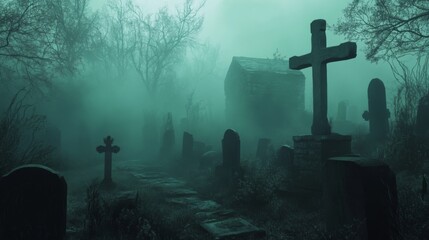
263 94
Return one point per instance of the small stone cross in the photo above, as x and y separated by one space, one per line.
318 58
108 150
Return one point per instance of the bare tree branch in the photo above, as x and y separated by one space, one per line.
43 37
388 28
161 39
19 128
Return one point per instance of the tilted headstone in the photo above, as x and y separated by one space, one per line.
285 156
342 111
231 150
377 114
168 138
33 204
108 150
319 57
230 171
187 146
264 150
361 193
422 120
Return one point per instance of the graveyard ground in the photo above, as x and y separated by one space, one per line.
135 209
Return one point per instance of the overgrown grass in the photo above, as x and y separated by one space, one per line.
412 210
258 186
110 218
145 216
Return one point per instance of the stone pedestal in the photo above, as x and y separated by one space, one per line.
361 193
310 155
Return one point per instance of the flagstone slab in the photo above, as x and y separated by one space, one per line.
219 222
183 200
149 176
166 183
206 205
215 215
232 227
178 192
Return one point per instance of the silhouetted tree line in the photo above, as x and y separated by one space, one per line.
42 40
47 41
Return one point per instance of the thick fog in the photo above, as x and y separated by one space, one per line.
257 28
95 102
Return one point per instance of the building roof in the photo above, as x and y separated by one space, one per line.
265 65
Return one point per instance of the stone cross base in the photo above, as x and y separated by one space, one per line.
311 153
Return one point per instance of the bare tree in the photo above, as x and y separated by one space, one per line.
39 38
160 40
413 85
117 30
405 150
20 142
389 28
73 30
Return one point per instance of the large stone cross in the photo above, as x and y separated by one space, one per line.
318 58
108 150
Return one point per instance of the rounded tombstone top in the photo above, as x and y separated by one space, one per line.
376 83
34 203
187 134
318 25
31 169
231 135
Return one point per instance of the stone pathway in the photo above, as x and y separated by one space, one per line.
219 222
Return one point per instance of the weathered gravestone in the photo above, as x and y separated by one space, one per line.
285 156
168 139
422 120
187 146
230 168
231 149
312 151
33 204
361 193
264 151
108 150
377 114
